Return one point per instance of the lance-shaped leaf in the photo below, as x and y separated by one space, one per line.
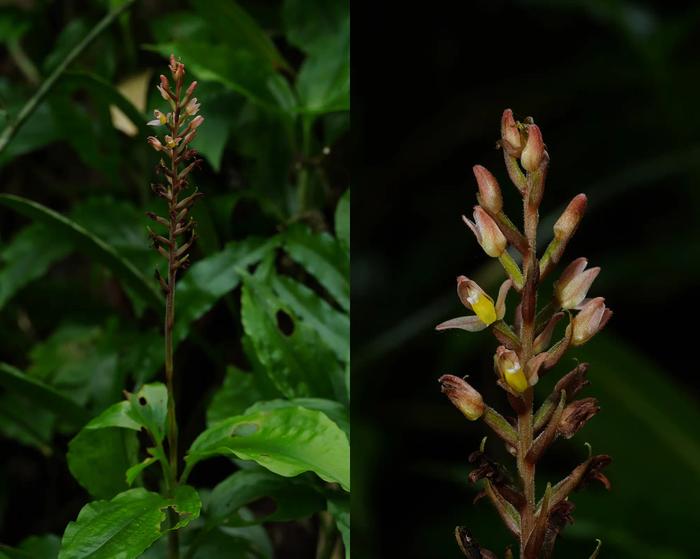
324 258
42 395
336 412
89 243
127 525
510 516
547 436
286 441
536 537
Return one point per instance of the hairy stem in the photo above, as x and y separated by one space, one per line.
526 468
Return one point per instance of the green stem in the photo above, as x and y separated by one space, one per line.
30 106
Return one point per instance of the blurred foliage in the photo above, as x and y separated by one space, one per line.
262 319
612 85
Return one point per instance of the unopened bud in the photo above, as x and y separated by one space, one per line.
568 221
463 396
489 191
510 369
476 299
155 143
589 321
574 283
510 134
196 122
487 233
191 88
576 415
533 152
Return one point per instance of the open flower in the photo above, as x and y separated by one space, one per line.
477 300
574 283
487 233
160 119
510 370
463 396
589 321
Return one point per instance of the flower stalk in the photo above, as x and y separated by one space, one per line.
181 124
527 351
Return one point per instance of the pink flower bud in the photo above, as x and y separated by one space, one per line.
489 190
155 143
463 396
510 135
532 154
574 283
191 88
487 233
568 221
589 321
196 122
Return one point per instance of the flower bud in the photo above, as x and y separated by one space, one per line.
487 233
533 152
510 135
196 122
489 191
191 88
476 299
568 221
155 143
510 370
463 396
574 283
589 321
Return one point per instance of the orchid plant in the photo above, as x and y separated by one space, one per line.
526 351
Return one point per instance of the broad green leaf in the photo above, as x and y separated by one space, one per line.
294 498
309 23
238 392
233 25
42 395
27 257
332 325
249 542
125 526
149 407
89 243
286 441
211 278
336 411
342 220
117 415
339 507
99 458
324 258
296 362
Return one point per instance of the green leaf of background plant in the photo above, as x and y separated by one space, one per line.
294 498
233 25
99 458
90 244
335 411
125 526
323 257
339 507
211 278
332 325
342 220
239 391
286 441
298 364
42 395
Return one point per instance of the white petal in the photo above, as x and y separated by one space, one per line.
468 323
155 122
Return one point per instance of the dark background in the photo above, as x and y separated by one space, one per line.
613 85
